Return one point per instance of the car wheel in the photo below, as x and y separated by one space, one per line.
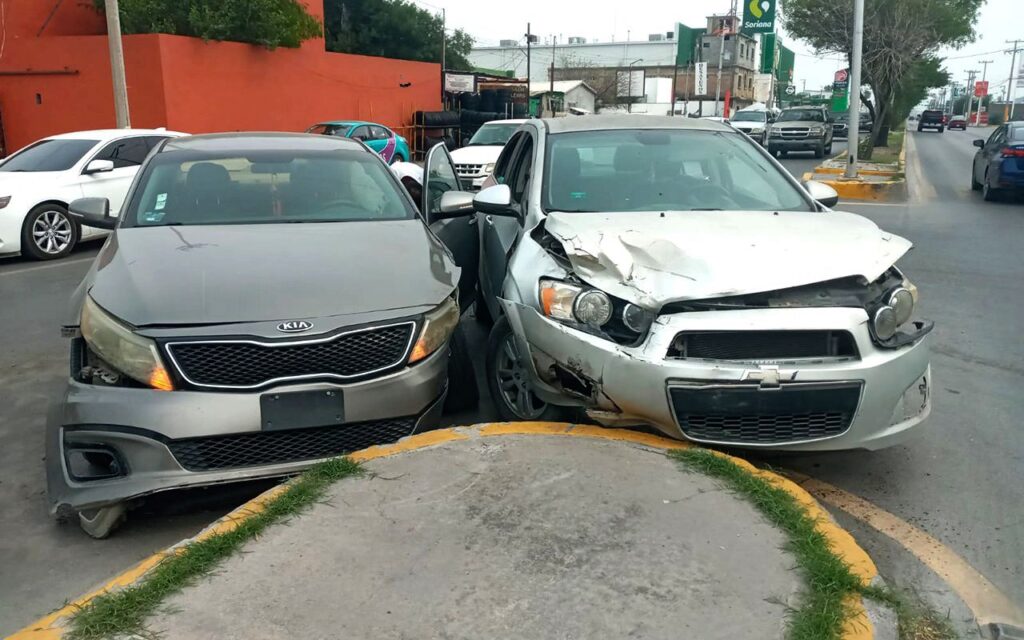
819 152
975 185
988 192
100 523
828 149
508 380
920 129
783 154
48 232
941 129
463 393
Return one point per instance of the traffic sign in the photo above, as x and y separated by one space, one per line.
790 89
980 88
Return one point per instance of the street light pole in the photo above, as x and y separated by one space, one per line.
853 131
1010 89
981 99
629 83
970 94
117 65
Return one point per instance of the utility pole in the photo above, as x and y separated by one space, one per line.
443 39
553 40
853 135
1010 89
721 56
529 39
970 93
117 65
981 99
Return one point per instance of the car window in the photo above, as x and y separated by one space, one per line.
361 133
126 152
152 141
48 155
996 138
801 115
262 187
748 116
627 170
328 129
1016 133
492 134
521 169
502 166
379 133
441 178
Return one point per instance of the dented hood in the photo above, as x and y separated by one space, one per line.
653 258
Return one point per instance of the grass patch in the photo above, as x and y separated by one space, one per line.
916 622
889 154
829 579
125 611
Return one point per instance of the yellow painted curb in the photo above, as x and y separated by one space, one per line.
859 627
873 191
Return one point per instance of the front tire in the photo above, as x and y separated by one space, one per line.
988 192
48 233
975 185
463 393
508 380
941 129
819 152
828 149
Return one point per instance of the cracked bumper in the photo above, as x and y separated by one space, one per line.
141 425
631 385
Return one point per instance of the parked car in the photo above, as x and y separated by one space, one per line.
840 124
801 129
958 122
667 272
475 161
753 123
265 301
866 122
932 119
998 166
391 146
38 181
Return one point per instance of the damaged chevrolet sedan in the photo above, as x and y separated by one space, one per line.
668 273
264 301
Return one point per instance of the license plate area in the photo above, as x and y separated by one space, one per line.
302 409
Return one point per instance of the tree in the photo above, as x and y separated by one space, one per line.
393 29
923 75
269 23
899 38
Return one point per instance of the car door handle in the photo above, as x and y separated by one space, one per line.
489 220
472 220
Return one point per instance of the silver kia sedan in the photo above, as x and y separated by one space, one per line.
668 272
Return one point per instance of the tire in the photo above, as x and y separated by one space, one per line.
819 152
988 192
463 394
941 129
100 523
828 149
975 185
502 351
60 233
920 128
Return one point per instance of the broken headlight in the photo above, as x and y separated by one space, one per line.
438 326
594 311
893 311
122 348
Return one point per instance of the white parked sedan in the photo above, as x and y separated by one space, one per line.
475 161
38 181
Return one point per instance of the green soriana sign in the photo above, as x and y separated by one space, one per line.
758 16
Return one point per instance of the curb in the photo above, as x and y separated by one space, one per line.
882 191
859 627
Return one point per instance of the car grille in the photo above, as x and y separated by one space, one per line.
763 346
744 414
469 169
246 364
278 447
795 132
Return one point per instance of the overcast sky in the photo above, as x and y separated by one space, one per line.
605 20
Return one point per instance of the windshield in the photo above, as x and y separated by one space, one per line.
748 116
49 155
654 170
190 188
801 115
329 129
493 134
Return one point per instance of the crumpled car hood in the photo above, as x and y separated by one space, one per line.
654 258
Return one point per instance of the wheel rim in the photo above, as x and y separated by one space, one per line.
513 384
52 232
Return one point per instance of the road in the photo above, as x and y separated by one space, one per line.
960 480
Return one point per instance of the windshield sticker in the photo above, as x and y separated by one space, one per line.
161 201
578 195
151 217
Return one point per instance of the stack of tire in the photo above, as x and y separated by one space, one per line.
438 126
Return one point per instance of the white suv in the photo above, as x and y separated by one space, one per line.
38 181
475 161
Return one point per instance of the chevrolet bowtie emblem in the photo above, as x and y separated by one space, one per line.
769 377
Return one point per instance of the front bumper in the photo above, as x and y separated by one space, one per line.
632 386
155 433
12 217
472 183
798 144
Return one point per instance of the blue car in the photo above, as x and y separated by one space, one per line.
391 146
999 163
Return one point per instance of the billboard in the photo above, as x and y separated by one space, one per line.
629 84
459 82
700 82
981 88
687 43
758 16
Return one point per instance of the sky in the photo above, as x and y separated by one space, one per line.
605 20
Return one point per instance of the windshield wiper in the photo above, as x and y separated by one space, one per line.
706 209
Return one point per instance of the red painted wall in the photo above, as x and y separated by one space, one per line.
193 86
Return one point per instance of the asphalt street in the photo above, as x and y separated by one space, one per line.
960 479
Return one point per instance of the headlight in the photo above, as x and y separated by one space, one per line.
488 167
4 201
884 323
123 349
775 133
564 301
438 326
636 318
757 130
902 303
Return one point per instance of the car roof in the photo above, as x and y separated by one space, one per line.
347 123
623 121
517 121
261 141
111 134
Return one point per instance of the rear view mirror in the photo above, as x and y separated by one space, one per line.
979 143
495 201
455 204
822 193
92 212
99 166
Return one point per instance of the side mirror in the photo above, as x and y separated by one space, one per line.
979 143
822 193
98 166
93 212
495 201
455 204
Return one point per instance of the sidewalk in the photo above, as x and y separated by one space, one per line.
488 532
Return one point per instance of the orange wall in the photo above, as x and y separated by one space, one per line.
25 18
